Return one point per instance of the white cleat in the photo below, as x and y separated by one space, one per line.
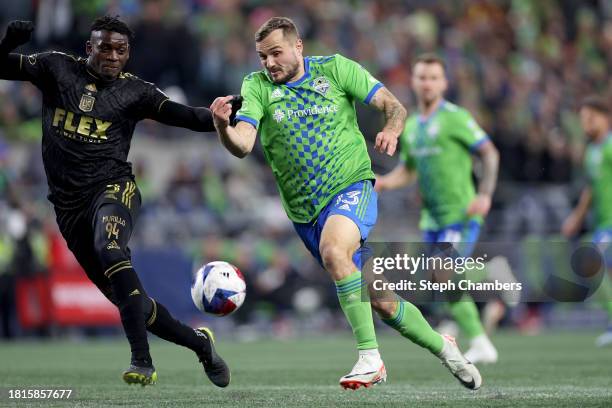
464 371
368 371
605 339
481 351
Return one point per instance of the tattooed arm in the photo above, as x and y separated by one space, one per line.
395 118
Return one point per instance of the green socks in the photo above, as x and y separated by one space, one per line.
467 317
358 312
411 324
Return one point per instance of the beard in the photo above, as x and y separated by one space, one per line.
291 71
430 100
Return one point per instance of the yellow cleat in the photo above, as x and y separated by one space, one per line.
140 375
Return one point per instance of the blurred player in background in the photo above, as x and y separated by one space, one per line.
595 120
304 111
90 109
436 149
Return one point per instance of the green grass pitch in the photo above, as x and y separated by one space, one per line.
552 370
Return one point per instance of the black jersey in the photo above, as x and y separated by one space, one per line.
87 124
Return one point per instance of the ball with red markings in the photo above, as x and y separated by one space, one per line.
218 288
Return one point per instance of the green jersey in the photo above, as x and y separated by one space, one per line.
309 131
439 149
598 166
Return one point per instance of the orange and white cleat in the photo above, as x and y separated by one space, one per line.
368 371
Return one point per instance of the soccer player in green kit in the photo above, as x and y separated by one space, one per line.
595 120
436 148
303 108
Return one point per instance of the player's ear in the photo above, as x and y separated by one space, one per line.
88 47
299 46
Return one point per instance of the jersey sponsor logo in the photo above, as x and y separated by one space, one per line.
87 128
277 93
278 115
321 85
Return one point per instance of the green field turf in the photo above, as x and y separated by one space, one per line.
552 370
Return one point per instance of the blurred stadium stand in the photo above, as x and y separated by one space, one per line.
520 67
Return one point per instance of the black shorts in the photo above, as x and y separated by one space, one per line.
109 229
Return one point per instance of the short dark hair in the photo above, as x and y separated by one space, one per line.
430 58
112 23
597 103
275 23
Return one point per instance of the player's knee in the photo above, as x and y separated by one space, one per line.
112 230
111 256
333 256
149 309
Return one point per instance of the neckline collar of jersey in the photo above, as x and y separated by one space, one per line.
304 77
425 119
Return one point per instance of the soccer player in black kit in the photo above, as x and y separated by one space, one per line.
90 109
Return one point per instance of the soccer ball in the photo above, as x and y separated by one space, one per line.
218 288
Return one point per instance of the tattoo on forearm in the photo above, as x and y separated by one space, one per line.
395 116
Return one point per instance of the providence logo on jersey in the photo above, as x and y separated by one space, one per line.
279 114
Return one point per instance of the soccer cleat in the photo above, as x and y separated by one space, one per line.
464 371
215 368
140 375
368 371
481 351
604 339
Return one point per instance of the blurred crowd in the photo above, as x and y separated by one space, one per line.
520 66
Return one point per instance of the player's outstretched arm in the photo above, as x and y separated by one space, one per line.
399 177
486 185
395 118
194 118
17 33
198 119
238 140
574 221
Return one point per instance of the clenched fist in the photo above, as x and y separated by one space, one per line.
17 33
